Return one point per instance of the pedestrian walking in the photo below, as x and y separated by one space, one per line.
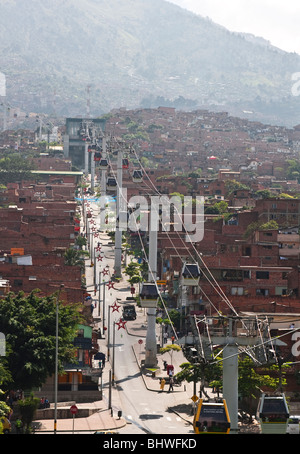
165 338
162 384
171 383
19 426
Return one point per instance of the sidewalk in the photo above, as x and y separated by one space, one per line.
104 419
101 417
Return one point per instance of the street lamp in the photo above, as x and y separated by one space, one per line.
56 359
121 324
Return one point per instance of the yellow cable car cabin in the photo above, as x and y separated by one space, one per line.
212 418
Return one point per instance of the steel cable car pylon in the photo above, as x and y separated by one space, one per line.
231 333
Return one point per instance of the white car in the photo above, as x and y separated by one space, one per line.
293 425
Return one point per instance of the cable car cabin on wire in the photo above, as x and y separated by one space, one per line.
273 414
149 295
190 274
103 164
111 184
137 176
212 418
125 163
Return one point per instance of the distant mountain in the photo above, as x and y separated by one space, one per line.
56 54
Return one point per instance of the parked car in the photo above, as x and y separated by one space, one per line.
6 425
129 312
293 425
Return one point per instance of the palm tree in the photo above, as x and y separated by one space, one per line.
74 257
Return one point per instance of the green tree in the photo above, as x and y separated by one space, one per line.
264 194
73 257
233 185
80 241
5 377
217 208
14 168
293 170
170 348
133 270
203 373
252 381
27 408
29 325
270 225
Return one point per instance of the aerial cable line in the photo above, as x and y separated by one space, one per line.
246 350
220 292
146 258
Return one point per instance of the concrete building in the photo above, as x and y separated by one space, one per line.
76 139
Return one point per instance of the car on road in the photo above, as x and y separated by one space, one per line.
293 425
6 425
129 312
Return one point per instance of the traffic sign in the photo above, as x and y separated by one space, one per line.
140 341
194 398
74 410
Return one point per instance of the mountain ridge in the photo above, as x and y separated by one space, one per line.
130 52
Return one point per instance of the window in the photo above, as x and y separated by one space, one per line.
282 291
237 291
232 275
18 282
262 274
248 251
262 291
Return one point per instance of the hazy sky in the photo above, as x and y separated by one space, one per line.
278 21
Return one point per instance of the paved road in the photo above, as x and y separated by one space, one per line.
146 411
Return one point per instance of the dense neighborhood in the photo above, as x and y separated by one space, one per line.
248 175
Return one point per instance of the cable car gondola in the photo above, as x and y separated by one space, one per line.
125 163
111 183
212 418
137 176
97 156
149 295
190 274
273 414
103 164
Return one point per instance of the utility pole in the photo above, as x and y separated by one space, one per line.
93 171
233 332
103 172
56 357
119 230
86 152
88 102
151 344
